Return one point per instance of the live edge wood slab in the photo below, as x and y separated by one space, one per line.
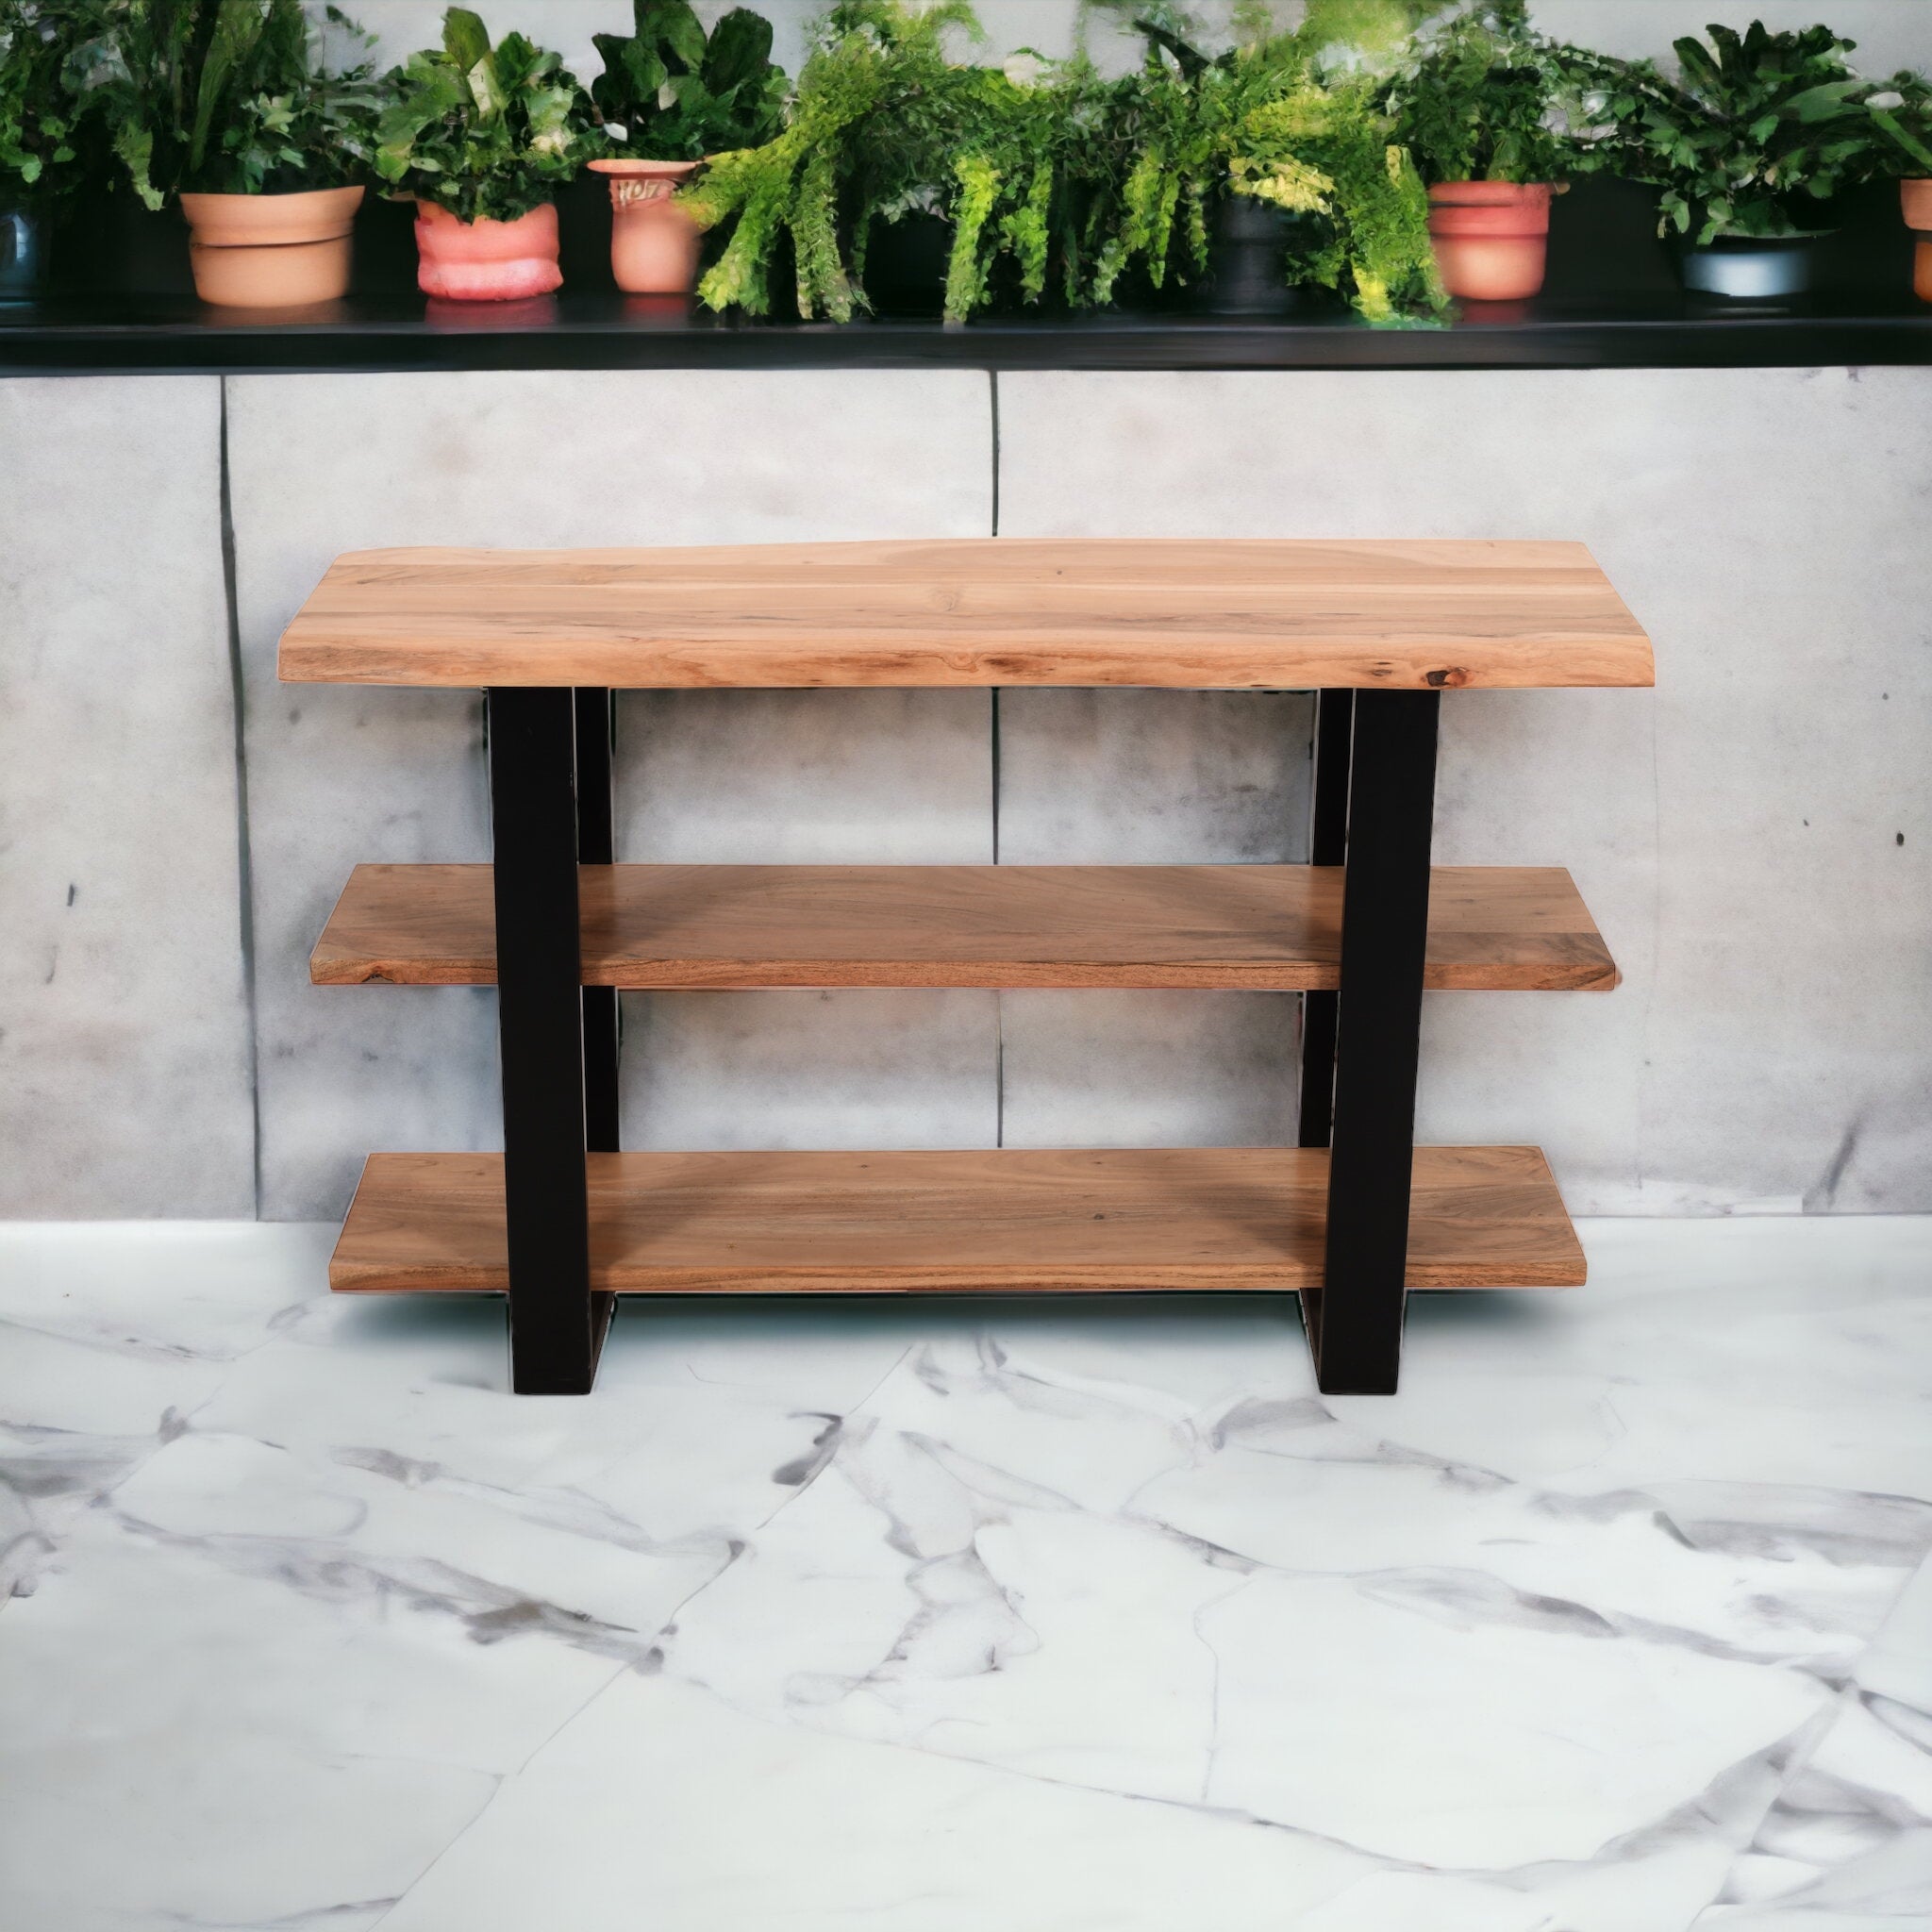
1227 614
993 1222
1255 926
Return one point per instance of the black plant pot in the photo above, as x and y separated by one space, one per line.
906 267
1247 258
24 241
111 246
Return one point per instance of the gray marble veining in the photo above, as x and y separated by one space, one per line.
1847 1847
941 1615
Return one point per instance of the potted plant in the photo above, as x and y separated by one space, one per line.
876 69
234 105
1265 171
1902 112
39 159
669 95
1479 106
958 182
903 178
479 137
1758 130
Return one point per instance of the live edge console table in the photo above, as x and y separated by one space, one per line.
1353 1217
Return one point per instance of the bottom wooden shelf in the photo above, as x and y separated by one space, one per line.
1016 1220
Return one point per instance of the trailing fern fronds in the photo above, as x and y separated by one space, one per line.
1276 117
885 123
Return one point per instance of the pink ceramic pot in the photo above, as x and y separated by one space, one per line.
1491 237
1916 199
271 251
485 261
653 242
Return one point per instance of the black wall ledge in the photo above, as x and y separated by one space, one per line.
123 302
81 335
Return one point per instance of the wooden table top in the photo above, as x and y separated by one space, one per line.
1192 613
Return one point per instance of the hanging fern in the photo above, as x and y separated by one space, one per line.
869 57
1263 121
886 124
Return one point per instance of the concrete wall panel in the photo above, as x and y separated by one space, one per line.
341 774
125 1076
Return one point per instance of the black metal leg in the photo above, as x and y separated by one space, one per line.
1334 724
555 1332
596 745
1327 845
1357 1329
595 846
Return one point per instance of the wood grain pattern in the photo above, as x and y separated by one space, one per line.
1257 926
1186 612
1006 1221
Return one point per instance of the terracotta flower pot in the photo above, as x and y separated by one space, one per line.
271 251
653 242
1491 237
485 261
1916 198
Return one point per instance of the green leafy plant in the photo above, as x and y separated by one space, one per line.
1022 138
40 157
222 96
1757 130
679 95
875 66
487 132
986 149
1901 111
886 124
1483 98
1270 117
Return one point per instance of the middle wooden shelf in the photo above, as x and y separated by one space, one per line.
1258 928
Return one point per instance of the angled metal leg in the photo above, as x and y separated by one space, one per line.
595 847
1334 724
596 745
1357 1330
1327 845
555 1335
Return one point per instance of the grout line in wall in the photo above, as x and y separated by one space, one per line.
243 858
999 1063
999 1070
993 719
999 1036
993 379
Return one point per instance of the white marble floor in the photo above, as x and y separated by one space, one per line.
944 1617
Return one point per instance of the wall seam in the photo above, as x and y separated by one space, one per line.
999 1027
243 856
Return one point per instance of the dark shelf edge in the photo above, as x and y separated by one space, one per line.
92 344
